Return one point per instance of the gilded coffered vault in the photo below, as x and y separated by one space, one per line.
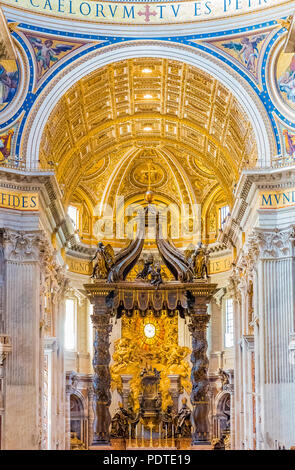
147 122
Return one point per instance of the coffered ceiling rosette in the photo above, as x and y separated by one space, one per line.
148 122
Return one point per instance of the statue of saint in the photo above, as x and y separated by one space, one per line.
119 423
168 418
224 377
183 421
198 260
103 261
133 419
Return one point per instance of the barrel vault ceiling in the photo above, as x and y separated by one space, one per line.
143 122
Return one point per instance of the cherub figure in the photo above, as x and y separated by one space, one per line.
156 277
46 53
147 268
247 49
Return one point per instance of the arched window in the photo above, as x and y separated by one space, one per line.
70 325
73 213
229 324
90 330
223 213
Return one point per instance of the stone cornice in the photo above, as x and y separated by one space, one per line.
251 181
51 208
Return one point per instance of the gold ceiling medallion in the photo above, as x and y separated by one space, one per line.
148 174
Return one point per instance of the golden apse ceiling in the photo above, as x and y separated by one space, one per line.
148 122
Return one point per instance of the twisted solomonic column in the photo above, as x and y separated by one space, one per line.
199 376
102 376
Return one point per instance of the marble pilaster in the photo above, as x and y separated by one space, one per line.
275 318
235 294
22 323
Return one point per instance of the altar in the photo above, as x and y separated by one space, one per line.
149 416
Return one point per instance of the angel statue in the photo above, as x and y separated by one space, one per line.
147 268
198 260
156 277
103 261
247 48
46 53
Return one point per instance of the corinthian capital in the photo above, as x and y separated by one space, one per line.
233 283
273 244
21 246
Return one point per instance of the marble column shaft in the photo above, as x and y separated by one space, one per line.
102 376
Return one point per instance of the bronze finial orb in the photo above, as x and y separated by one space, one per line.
149 196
